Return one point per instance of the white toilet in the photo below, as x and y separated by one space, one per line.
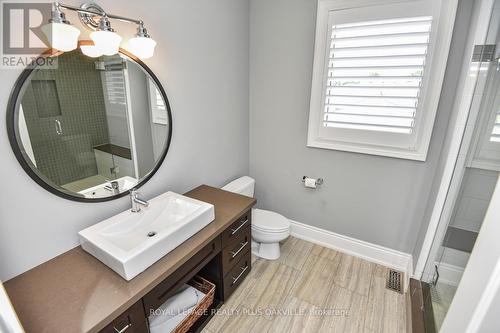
268 228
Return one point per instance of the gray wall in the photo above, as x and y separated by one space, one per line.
202 62
375 199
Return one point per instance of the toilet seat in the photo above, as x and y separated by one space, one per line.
268 221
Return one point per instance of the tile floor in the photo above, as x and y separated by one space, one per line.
441 295
312 289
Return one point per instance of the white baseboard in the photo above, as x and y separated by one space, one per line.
450 274
397 260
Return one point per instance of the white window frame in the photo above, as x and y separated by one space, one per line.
158 116
443 12
485 154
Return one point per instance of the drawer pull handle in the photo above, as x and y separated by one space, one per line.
235 253
243 270
233 231
123 329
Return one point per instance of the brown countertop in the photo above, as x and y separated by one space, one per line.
75 292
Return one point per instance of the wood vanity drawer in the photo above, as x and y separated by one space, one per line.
140 328
236 275
183 274
236 228
236 249
131 321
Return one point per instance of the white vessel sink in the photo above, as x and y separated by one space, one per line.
129 242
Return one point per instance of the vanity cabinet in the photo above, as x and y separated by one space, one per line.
225 261
236 275
237 227
168 287
236 254
131 321
74 292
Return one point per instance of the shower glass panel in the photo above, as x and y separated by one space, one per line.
476 175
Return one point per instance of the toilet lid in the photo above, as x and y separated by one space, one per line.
267 220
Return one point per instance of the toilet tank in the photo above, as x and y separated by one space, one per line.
244 186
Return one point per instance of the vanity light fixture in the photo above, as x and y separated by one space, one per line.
60 33
91 51
64 37
142 45
106 40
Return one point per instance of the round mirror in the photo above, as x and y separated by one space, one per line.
89 129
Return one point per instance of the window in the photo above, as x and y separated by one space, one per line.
115 82
115 87
158 107
486 142
495 133
378 70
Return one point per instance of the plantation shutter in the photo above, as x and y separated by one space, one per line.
115 82
158 107
495 134
374 74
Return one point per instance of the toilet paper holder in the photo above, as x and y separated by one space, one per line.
319 181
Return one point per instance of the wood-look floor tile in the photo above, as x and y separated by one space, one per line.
262 325
238 319
205 330
380 271
357 312
338 302
239 322
386 309
276 289
394 312
218 320
259 266
254 258
354 274
230 307
375 307
295 252
241 293
324 252
366 330
298 317
306 281
346 311
315 280
260 284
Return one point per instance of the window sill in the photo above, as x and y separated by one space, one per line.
414 155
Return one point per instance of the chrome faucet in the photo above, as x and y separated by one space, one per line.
137 202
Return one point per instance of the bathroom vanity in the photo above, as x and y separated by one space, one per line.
75 292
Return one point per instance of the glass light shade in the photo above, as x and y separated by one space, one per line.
142 47
106 42
90 51
61 36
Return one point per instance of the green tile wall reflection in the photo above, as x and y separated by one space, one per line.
65 154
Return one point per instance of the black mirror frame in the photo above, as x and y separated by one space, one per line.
12 131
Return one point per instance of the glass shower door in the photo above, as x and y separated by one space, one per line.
476 175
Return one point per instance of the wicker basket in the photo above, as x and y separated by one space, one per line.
206 287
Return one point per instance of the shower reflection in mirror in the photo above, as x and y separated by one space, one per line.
91 122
